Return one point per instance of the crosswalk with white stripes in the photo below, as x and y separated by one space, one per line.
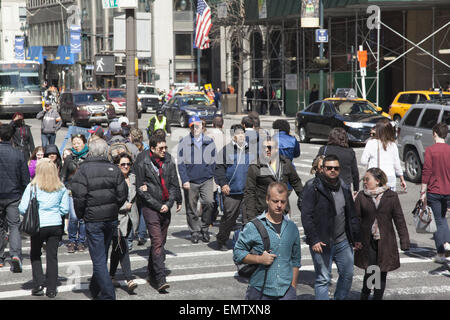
198 271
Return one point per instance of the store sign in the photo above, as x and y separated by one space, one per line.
310 14
125 4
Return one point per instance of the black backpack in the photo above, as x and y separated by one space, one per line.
246 270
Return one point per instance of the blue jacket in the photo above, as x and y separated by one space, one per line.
196 165
288 145
52 205
233 167
285 246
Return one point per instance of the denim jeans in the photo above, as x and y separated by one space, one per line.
10 220
438 204
342 254
76 227
48 138
254 294
99 236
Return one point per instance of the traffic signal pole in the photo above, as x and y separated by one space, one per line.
131 48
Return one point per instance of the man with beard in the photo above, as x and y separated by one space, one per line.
331 228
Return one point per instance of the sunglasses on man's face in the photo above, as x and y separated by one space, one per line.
329 168
125 164
268 147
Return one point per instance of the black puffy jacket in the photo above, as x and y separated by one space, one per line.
14 174
99 190
147 174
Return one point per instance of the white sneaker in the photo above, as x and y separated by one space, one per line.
439 259
447 246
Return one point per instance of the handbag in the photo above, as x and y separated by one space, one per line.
30 222
423 218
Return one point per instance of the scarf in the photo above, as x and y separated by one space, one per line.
158 162
333 187
376 196
82 153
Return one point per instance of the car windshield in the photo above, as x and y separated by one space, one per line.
353 107
117 94
89 97
194 100
146 90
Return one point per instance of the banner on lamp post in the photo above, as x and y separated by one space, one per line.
310 14
75 39
19 48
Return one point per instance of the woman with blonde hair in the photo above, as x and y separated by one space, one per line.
53 200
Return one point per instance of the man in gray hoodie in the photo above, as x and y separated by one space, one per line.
51 122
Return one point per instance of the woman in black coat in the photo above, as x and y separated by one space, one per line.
22 138
338 145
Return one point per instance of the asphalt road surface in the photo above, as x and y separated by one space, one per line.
199 272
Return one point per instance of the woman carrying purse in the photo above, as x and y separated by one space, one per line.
377 206
53 200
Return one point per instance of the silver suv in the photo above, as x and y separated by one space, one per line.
415 134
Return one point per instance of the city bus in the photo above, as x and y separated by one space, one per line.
20 87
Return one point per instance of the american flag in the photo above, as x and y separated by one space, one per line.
203 25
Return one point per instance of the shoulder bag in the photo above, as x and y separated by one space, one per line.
30 222
423 218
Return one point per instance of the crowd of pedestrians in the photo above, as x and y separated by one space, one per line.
110 187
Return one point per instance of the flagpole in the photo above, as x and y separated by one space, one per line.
199 52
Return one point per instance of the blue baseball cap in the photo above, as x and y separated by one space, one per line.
194 120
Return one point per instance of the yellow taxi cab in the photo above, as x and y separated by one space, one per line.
377 109
184 93
405 99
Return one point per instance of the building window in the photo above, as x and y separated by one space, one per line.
183 44
182 5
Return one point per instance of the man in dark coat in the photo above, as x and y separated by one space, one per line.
14 177
99 190
270 167
331 228
158 189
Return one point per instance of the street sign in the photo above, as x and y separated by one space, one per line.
322 35
110 4
105 65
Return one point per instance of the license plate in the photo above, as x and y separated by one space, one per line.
98 115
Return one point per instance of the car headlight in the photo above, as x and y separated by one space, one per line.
82 108
354 125
219 112
191 113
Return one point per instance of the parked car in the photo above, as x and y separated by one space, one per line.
85 107
118 98
180 108
149 97
317 120
403 101
415 135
